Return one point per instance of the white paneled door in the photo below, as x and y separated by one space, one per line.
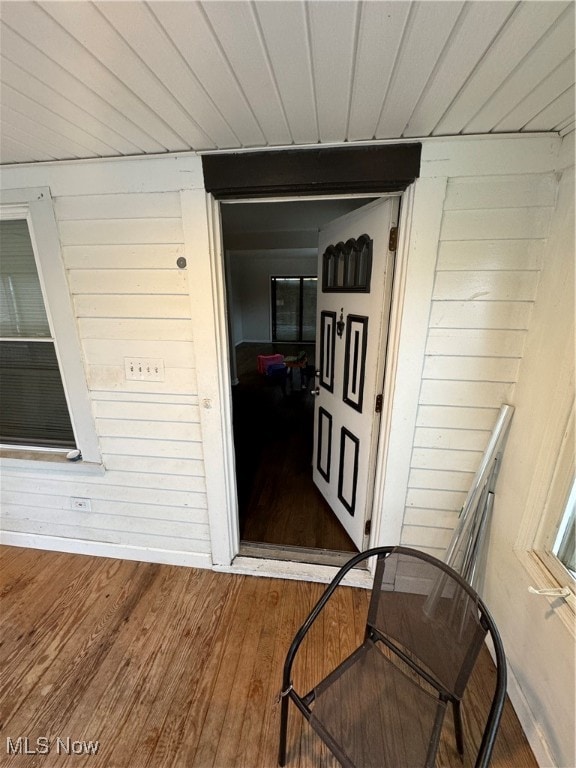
356 259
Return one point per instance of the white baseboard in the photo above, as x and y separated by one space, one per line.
105 549
529 723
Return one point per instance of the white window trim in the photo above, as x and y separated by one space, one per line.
547 499
560 486
36 206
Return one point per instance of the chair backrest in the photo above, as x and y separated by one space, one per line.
427 612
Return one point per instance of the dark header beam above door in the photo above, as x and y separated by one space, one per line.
332 170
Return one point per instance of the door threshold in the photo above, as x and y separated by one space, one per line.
311 556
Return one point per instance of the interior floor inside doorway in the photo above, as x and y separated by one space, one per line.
279 505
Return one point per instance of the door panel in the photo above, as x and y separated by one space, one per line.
354 290
327 341
355 360
324 444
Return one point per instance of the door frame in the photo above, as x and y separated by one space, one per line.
216 422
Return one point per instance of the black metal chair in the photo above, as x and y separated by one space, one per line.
385 704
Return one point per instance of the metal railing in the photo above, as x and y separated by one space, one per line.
466 550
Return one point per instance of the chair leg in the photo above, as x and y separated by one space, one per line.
458 727
283 730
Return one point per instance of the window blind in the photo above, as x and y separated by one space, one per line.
293 308
22 312
33 407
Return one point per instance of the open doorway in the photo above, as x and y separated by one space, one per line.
271 252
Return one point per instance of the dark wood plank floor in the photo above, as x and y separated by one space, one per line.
273 432
172 667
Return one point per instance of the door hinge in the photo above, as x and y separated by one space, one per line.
367 527
393 239
378 407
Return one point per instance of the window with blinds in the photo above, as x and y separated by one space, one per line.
33 407
293 308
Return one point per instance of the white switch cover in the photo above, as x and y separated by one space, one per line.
144 368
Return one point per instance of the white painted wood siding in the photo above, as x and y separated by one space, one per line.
130 299
490 252
478 254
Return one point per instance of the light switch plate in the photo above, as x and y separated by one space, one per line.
144 368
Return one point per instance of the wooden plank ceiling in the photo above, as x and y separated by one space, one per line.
102 79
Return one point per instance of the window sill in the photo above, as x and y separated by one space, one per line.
30 461
543 578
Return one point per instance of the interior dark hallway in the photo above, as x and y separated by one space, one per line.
273 432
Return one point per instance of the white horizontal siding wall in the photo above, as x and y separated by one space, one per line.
492 240
471 277
130 300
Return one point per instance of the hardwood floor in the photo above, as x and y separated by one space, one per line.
171 667
273 432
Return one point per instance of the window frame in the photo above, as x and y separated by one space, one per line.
565 529
555 509
540 523
36 206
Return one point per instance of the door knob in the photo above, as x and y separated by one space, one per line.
315 392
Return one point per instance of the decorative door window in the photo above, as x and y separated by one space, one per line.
347 267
